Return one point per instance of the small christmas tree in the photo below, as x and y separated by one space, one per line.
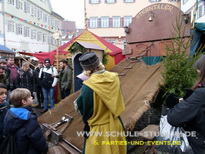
178 73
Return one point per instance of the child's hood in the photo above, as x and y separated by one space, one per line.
21 113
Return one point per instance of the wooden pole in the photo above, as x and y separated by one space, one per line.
26 60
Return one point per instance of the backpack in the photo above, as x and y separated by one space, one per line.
47 79
8 146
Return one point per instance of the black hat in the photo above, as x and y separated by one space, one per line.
47 60
89 61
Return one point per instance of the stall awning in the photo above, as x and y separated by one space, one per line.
6 50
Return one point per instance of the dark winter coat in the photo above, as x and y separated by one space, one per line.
3 110
38 81
190 114
29 136
26 80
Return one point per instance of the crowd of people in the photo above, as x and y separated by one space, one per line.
18 87
40 80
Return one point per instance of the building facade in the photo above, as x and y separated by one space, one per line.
107 18
28 25
195 9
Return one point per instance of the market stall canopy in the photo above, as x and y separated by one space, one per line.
6 50
114 53
43 55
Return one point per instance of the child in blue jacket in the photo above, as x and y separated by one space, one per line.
20 121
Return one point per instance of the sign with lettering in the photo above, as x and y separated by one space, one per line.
166 7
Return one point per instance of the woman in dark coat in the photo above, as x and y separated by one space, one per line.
190 113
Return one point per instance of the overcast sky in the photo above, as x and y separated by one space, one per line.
72 10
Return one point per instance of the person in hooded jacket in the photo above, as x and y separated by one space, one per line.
22 122
190 113
100 103
4 106
26 78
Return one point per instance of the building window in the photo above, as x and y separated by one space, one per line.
11 2
127 20
129 1
26 31
25 7
19 29
11 26
94 1
32 10
39 36
21 5
104 22
28 7
33 34
35 12
41 15
116 21
45 37
38 13
174 0
45 17
200 11
17 4
93 22
110 1
154 0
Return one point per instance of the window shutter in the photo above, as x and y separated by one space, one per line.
110 22
17 4
17 30
121 22
24 31
99 23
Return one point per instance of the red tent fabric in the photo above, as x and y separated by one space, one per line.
43 55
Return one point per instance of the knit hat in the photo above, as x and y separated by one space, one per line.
89 61
47 60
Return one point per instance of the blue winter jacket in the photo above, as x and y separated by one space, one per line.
29 136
